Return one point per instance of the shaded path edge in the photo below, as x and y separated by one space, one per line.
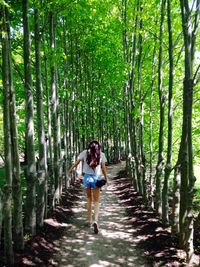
156 241
40 249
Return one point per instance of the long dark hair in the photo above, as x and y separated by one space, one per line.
93 154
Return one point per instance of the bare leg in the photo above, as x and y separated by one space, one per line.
89 204
96 196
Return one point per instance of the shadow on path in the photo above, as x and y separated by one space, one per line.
130 235
156 241
113 246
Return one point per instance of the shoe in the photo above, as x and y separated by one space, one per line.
95 225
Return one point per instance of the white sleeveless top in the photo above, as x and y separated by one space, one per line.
86 168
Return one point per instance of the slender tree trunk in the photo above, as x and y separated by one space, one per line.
7 189
30 151
189 87
151 180
49 135
142 159
176 202
66 105
18 232
129 57
134 134
65 137
184 166
160 162
42 164
59 115
54 111
165 205
125 88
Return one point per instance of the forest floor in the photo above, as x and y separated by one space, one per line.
130 234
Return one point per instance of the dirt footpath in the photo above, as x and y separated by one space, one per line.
130 233
113 246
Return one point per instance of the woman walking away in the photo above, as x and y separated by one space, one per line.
93 166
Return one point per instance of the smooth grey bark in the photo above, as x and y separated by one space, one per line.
125 88
141 154
54 111
30 218
18 231
130 47
59 115
7 189
42 162
160 162
176 202
49 134
66 105
184 165
168 168
107 137
151 180
65 137
135 164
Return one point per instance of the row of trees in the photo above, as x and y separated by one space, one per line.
52 87
171 58
73 71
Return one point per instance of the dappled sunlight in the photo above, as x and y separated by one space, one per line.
128 232
78 209
150 234
55 223
140 238
108 244
113 246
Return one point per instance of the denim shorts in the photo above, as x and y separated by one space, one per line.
89 180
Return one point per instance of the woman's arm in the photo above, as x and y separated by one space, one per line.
103 167
73 166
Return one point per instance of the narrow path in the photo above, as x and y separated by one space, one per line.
130 233
115 244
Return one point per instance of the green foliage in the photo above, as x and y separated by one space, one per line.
89 54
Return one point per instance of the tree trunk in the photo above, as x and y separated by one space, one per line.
59 115
176 202
159 167
54 111
66 106
42 164
165 204
142 158
18 231
7 189
30 151
184 164
49 137
151 180
130 117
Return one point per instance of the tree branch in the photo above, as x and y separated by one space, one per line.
196 75
2 157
